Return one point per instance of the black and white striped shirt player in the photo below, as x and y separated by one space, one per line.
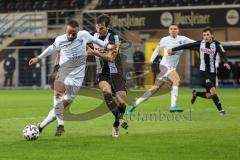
111 80
209 49
208 53
109 70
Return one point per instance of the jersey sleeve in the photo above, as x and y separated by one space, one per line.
47 52
187 40
187 46
56 44
52 49
93 39
156 52
221 52
162 43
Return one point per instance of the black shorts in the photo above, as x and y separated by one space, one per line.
117 82
208 80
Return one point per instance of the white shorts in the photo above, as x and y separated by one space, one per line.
72 72
164 72
72 82
75 77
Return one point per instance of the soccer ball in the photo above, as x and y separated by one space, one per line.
30 132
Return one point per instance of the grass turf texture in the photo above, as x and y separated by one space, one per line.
206 136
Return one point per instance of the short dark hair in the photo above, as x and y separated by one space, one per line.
208 29
174 24
73 24
103 18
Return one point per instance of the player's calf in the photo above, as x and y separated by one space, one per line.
194 96
112 105
217 103
50 118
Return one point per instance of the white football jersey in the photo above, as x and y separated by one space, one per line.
169 42
75 48
73 55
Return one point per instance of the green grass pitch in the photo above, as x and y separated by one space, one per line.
204 135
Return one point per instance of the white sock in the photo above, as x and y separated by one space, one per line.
143 98
51 117
59 109
174 95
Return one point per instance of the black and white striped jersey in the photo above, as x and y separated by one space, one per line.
107 67
208 52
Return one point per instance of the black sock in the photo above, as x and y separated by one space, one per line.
116 123
201 94
112 105
122 108
217 102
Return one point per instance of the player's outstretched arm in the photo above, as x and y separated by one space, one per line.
99 42
161 44
155 53
184 46
48 51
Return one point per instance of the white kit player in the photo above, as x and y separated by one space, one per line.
167 68
72 47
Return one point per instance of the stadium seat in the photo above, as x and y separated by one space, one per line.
40 5
106 4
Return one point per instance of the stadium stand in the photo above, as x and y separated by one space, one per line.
104 4
40 5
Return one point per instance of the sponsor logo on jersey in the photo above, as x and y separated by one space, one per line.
207 51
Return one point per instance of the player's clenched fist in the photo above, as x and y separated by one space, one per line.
112 46
226 65
33 61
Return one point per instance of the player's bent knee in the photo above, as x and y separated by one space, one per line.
212 91
154 88
176 82
68 98
106 90
157 86
208 95
57 94
59 87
